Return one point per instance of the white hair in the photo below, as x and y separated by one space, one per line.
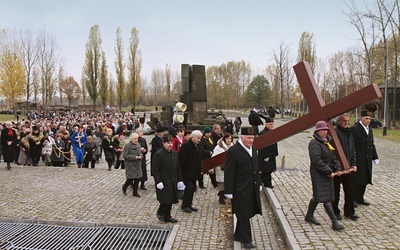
196 133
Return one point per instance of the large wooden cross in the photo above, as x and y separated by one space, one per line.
318 111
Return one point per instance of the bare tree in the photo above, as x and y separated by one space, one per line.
29 58
282 76
47 60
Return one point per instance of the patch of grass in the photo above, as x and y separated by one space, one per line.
391 134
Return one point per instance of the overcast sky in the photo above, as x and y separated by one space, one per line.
176 32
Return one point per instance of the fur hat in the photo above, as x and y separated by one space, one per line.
247 131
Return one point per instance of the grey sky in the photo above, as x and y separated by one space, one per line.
194 32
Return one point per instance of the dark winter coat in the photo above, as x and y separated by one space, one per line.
365 151
242 179
166 170
206 147
190 160
143 144
107 144
347 141
57 151
323 164
8 150
254 118
90 149
267 156
133 167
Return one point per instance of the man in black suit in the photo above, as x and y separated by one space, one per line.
347 141
366 153
243 184
190 163
267 156
167 177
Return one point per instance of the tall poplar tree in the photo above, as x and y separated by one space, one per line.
92 63
119 68
134 68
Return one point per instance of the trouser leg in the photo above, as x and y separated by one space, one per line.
335 204
243 230
348 195
188 193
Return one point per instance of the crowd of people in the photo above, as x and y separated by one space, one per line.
176 159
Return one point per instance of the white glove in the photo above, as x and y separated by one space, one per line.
260 188
160 186
181 186
376 161
266 159
229 196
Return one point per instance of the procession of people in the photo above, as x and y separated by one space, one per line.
176 161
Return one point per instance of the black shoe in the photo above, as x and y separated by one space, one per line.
195 209
124 189
312 220
222 201
187 210
172 220
270 186
338 217
136 194
109 169
161 217
143 188
8 166
202 187
352 217
248 245
364 203
337 226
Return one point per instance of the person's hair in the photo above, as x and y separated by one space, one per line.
89 138
134 134
196 133
139 130
340 117
215 126
187 132
226 135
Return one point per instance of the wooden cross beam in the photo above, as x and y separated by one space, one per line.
318 111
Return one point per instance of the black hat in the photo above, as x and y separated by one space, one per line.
160 130
35 128
247 131
167 138
269 119
365 113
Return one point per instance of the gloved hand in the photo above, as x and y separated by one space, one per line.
181 186
160 185
229 196
266 159
260 188
376 161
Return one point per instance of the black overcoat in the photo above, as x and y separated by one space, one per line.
323 164
109 152
8 150
267 156
365 151
242 179
166 170
143 143
190 160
